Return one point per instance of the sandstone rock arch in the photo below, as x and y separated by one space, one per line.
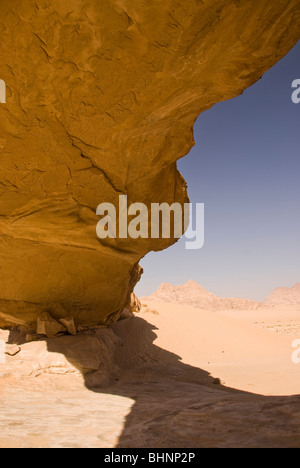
102 98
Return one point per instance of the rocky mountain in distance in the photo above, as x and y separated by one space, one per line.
191 293
284 296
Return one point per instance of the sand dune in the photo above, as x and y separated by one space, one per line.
234 349
282 319
173 376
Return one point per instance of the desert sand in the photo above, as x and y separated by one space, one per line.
247 350
172 376
282 319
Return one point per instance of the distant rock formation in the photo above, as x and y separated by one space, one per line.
191 293
284 296
101 98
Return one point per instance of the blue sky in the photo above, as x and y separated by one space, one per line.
245 167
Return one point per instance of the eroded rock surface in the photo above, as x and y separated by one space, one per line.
284 296
101 101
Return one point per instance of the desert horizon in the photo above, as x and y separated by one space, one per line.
280 295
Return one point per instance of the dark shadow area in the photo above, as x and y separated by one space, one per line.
175 405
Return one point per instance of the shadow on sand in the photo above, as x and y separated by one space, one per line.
176 405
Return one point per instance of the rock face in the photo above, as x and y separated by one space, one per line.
91 352
46 325
284 296
101 97
191 293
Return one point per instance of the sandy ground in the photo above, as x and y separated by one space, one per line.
161 388
247 350
284 320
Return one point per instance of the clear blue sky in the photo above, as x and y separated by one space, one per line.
245 167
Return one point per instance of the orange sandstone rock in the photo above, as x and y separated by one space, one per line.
101 98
